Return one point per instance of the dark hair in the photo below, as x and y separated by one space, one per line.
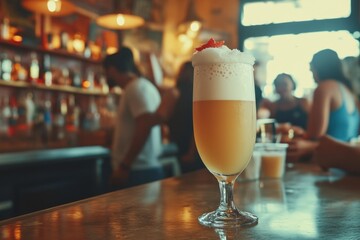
122 60
327 65
186 72
281 76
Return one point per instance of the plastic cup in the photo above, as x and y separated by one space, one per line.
273 157
252 171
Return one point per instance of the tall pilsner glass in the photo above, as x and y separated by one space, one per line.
224 125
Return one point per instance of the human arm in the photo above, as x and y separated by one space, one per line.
319 113
299 149
143 125
305 104
334 154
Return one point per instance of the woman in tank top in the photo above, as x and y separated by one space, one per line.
335 108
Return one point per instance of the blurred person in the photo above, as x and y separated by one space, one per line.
288 108
258 91
331 153
335 108
260 101
181 123
137 140
351 68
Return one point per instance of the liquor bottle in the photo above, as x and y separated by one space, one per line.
47 119
41 127
73 114
6 67
89 82
87 50
34 69
76 82
72 121
60 111
5 29
30 110
21 125
18 72
13 116
92 117
5 115
48 76
103 84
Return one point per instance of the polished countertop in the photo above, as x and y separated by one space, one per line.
306 204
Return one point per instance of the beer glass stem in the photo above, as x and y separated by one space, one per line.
227 215
226 196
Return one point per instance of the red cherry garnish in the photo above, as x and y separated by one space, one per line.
210 44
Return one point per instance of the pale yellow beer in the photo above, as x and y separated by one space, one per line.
272 166
224 133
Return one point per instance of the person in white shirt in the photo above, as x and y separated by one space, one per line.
137 136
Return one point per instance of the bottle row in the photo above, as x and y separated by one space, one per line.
53 71
52 116
75 44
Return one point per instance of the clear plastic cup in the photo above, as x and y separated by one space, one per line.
273 157
252 171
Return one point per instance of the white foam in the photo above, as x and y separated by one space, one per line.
223 74
221 55
225 81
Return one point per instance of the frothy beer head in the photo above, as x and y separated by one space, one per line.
223 74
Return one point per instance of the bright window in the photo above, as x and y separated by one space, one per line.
292 54
258 13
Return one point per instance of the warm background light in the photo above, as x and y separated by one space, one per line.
49 7
120 21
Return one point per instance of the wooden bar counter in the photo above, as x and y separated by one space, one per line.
306 204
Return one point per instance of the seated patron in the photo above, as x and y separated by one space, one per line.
288 108
335 107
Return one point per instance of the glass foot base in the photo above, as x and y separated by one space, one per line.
220 219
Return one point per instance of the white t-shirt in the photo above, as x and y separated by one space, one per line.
140 96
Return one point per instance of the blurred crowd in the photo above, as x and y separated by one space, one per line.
323 129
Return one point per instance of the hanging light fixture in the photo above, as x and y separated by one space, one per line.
49 7
122 19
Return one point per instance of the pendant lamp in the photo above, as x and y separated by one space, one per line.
49 7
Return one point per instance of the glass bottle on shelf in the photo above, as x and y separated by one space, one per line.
48 76
60 111
21 124
64 78
34 68
42 125
92 117
89 82
6 67
18 72
76 82
13 116
5 29
30 110
103 84
5 115
73 113
72 120
87 50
